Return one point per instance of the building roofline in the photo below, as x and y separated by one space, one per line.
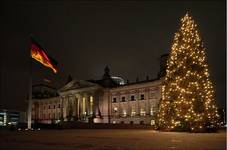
41 84
139 82
40 99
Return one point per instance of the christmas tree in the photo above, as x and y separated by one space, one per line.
187 93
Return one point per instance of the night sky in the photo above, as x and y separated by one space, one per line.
84 37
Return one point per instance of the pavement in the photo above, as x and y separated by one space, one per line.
110 139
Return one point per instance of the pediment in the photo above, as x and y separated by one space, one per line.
77 84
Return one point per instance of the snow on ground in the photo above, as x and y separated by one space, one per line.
110 139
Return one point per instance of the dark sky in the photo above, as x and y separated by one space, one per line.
85 36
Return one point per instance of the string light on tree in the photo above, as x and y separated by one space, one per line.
187 93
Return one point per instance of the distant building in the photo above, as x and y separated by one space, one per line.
11 117
44 99
108 100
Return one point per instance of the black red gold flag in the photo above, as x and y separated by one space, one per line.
39 54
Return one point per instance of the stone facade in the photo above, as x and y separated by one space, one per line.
46 110
134 103
100 101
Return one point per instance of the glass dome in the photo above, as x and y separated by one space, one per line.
118 80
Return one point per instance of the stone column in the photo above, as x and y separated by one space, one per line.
91 105
88 105
75 106
72 102
83 105
96 105
85 101
64 105
68 106
78 106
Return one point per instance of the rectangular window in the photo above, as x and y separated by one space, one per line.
124 113
59 105
114 100
123 99
132 97
152 112
115 109
133 112
142 112
142 96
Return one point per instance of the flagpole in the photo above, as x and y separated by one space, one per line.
46 62
30 95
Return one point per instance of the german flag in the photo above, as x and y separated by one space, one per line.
39 54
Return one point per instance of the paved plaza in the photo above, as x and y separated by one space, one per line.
110 139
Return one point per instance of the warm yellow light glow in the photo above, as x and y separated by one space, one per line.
187 92
41 57
83 106
91 105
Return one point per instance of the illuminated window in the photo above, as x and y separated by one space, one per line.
114 122
142 112
152 122
124 113
4 119
152 112
115 109
133 112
